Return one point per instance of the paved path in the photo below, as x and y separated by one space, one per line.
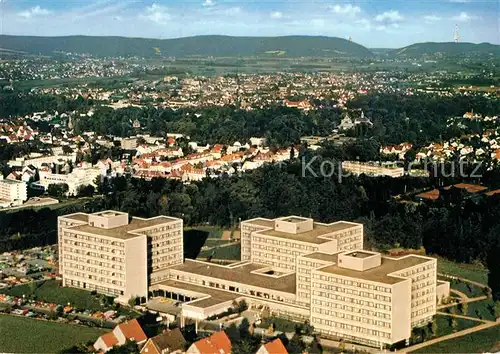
463 316
470 299
462 296
481 285
449 336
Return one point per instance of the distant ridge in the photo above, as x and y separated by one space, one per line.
446 48
211 45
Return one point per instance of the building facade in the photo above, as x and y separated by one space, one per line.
117 255
12 192
373 168
280 241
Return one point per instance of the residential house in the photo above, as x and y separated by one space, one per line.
168 342
274 347
129 330
218 343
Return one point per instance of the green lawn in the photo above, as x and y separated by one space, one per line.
213 243
213 231
479 342
479 309
444 328
467 271
51 291
467 288
232 252
282 324
26 335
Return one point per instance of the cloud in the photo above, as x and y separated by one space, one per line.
34 12
460 1
157 14
208 3
276 14
347 10
432 18
389 16
464 17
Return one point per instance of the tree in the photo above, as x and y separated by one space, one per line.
85 191
296 344
57 190
315 347
497 309
130 347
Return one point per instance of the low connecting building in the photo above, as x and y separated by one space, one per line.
293 267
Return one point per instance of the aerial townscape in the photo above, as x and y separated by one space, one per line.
275 177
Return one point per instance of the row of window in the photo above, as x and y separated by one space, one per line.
99 289
94 278
348 299
420 312
348 291
335 280
349 317
93 262
163 236
283 243
94 239
93 254
353 309
345 326
94 247
417 270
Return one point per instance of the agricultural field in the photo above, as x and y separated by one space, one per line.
27 335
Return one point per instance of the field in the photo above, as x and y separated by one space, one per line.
483 310
51 291
26 335
467 271
479 342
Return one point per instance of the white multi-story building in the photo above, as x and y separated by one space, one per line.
117 255
12 192
79 177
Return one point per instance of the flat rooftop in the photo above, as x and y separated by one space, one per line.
122 232
360 254
378 274
10 181
311 236
216 296
260 222
321 256
294 219
78 217
240 274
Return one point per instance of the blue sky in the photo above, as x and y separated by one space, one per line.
373 23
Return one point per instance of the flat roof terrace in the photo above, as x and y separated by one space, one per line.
378 274
312 236
125 232
241 274
215 296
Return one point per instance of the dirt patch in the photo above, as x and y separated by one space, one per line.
226 235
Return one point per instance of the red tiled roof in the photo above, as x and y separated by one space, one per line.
109 339
217 343
132 330
276 347
431 195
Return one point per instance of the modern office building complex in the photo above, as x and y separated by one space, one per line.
292 267
117 255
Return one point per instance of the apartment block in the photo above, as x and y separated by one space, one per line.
12 192
279 242
389 169
367 298
117 255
